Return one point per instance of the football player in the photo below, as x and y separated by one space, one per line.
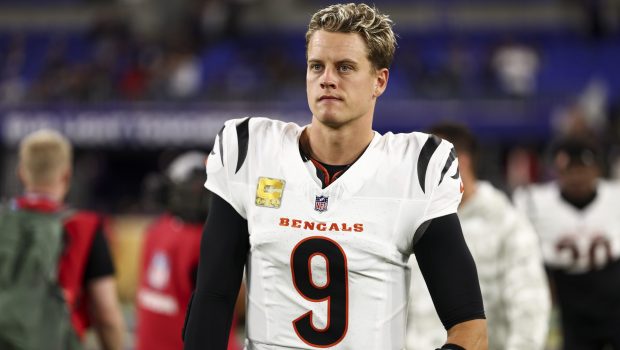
507 255
327 215
579 228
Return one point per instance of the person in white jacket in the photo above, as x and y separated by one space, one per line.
507 255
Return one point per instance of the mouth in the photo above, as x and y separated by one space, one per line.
329 98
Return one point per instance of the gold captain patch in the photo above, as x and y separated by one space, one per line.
269 192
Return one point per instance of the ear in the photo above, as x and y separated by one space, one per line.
66 176
381 80
64 183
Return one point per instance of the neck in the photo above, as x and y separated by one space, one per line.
54 193
579 201
336 146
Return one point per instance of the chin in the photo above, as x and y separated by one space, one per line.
331 120
579 193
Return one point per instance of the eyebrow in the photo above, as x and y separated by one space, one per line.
344 61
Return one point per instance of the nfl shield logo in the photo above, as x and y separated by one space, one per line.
320 204
159 271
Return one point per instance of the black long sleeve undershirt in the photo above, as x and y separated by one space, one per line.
223 252
443 256
449 271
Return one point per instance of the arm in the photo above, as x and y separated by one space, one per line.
223 253
469 335
105 312
452 280
424 328
240 305
103 307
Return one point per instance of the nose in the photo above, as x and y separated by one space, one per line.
328 85
328 80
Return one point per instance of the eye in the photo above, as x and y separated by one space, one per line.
315 67
345 68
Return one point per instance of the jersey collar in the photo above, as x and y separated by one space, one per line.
37 202
352 179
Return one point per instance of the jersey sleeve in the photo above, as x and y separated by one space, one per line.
442 182
99 263
227 157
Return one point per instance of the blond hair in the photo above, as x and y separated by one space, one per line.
44 157
374 27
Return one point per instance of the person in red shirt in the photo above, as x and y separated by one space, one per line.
86 271
170 258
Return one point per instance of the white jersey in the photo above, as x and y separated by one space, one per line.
510 269
574 240
327 268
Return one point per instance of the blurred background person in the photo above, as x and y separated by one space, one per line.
170 253
578 224
505 249
86 271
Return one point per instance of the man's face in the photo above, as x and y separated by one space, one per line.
576 179
341 84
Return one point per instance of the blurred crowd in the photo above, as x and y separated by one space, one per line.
110 64
201 51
